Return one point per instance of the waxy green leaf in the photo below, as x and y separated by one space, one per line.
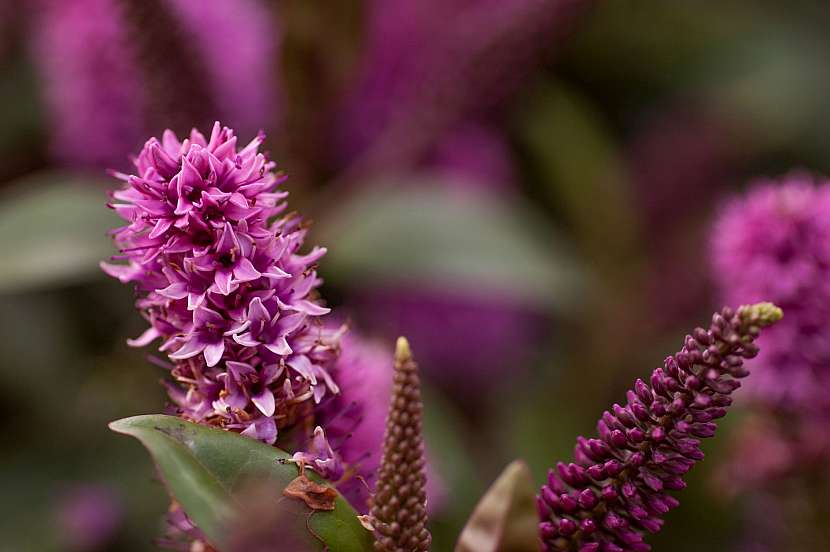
505 519
207 470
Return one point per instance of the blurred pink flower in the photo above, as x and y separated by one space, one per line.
239 43
354 420
88 517
92 92
94 85
416 81
774 243
475 156
464 340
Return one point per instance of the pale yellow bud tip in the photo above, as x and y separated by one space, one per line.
402 351
762 314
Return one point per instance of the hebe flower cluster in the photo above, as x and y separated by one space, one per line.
775 244
616 489
227 290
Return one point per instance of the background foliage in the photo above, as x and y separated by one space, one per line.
578 270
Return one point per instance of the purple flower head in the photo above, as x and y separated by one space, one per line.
616 490
775 243
222 281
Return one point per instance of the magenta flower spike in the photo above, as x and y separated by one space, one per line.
616 490
96 71
222 282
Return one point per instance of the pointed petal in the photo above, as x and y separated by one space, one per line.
194 300
204 316
147 337
214 352
257 311
245 339
312 309
227 241
262 429
191 348
276 273
223 281
264 401
244 271
162 225
302 366
239 369
177 290
279 346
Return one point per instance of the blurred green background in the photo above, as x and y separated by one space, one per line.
538 267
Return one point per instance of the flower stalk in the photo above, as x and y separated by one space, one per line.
398 512
616 490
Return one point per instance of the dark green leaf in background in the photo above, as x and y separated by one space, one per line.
53 230
421 233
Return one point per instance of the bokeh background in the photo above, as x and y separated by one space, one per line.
523 188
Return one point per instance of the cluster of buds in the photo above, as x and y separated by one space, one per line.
398 513
616 490
221 280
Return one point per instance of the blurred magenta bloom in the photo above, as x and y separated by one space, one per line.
355 420
239 41
775 243
416 82
767 450
475 156
616 490
396 33
465 339
88 517
94 86
228 291
90 86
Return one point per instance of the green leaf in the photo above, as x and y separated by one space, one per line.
420 232
205 469
53 230
505 519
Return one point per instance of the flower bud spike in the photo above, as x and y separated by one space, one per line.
398 512
623 500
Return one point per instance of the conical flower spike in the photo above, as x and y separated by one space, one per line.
398 512
616 490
